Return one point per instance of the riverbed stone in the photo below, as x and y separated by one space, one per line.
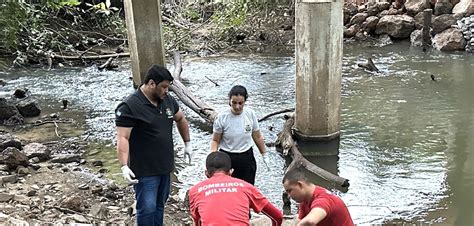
465 7
28 108
413 7
7 110
7 140
12 157
397 26
37 150
449 40
66 158
443 22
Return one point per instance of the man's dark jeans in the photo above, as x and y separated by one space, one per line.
151 193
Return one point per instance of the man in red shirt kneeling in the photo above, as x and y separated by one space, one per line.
224 200
317 206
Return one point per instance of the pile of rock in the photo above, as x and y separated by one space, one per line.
379 19
466 24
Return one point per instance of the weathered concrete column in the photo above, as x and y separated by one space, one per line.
318 68
145 37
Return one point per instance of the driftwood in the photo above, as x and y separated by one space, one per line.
198 106
90 57
369 65
286 142
108 64
178 66
276 113
215 83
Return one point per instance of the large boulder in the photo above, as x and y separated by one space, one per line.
370 24
449 40
28 108
465 7
37 150
12 157
7 110
397 26
372 9
443 7
416 38
358 18
443 22
413 7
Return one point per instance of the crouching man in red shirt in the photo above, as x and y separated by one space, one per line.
224 200
317 206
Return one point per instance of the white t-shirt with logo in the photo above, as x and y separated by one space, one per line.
236 130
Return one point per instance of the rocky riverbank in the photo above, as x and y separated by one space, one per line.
451 27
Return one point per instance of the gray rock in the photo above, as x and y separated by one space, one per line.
416 38
465 7
98 210
28 108
383 6
22 171
397 26
7 109
352 31
37 150
9 178
443 7
31 193
7 140
443 22
73 203
12 157
5 197
66 158
358 18
370 24
413 7
20 93
449 40
97 163
2 82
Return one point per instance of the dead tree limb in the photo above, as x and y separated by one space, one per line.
178 25
369 65
89 57
178 66
285 140
276 113
198 106
107 65
215 83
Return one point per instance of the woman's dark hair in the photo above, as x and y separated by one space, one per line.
158 74
238 90
217 161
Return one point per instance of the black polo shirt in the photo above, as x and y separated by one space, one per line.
151 149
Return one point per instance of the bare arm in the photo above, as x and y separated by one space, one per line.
314 217
216 139
258 139
123 135
182 124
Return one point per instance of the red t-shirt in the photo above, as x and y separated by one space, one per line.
224 200
337 212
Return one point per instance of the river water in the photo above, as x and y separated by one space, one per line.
407 143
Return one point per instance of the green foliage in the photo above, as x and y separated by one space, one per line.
232 16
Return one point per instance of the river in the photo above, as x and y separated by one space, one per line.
407 143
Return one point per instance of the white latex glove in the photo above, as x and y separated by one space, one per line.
128 174
188 150
265 160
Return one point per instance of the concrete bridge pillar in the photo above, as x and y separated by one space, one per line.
318 25
145 36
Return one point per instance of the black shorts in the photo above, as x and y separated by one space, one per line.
244 165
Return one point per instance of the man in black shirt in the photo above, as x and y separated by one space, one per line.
144 124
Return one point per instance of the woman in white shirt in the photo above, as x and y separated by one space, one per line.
234 132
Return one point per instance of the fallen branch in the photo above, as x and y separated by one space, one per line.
108 64
198 106
98 57
369 65
215 83
285 140
56 129
165 18
178 66
276 113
